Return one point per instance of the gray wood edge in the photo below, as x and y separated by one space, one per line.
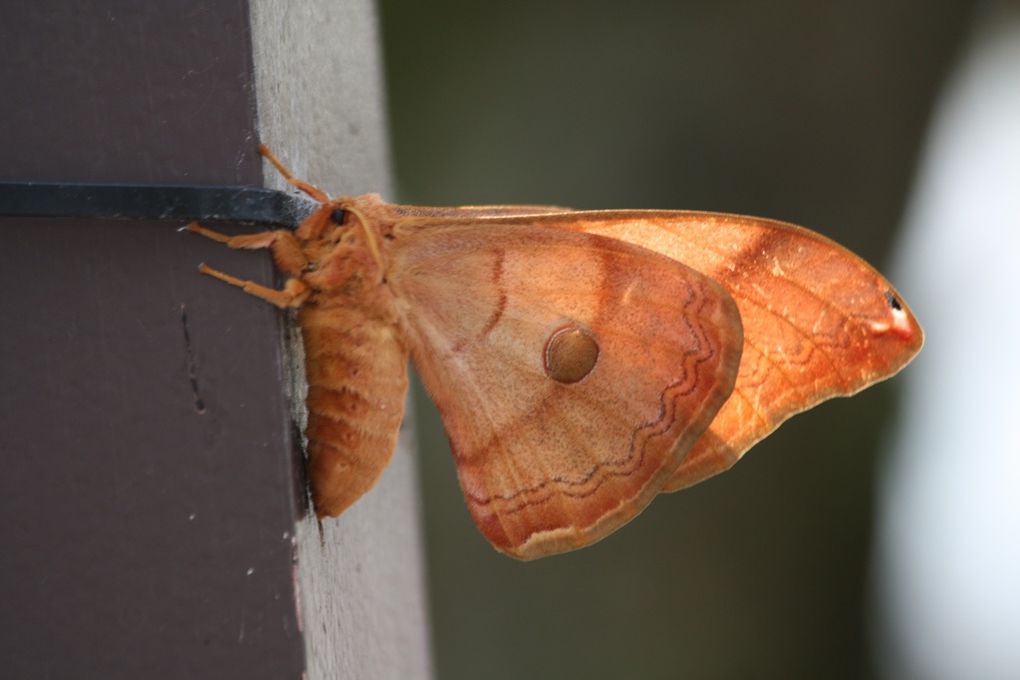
320 99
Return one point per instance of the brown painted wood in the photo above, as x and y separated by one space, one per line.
148 494
153 498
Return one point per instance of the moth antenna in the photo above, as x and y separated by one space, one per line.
310 189
373 245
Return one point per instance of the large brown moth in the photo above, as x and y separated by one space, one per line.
582 362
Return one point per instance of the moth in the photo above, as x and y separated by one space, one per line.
582 361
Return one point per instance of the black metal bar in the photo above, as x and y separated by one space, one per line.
155 202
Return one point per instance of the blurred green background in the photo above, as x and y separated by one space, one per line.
804 111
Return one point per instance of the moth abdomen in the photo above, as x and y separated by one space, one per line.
357 381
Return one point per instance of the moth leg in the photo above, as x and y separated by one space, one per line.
293 294
310 189
282 243
316 223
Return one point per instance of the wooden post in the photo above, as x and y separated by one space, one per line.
319 86
151 495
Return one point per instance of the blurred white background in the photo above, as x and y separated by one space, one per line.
948 557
